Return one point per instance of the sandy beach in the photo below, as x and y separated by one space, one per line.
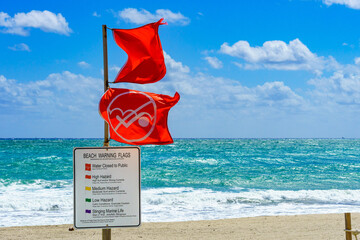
320 226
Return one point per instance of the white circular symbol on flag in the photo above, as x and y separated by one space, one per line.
132 116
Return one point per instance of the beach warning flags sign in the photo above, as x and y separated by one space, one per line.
145 62
137 117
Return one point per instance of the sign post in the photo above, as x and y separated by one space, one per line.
106 233
106 187
106 81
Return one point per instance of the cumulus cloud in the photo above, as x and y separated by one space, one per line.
175 66
214 62
115 68
354 4
210 102
199 90
20 47
59 92
72 95
357 60
143 16
276 55
342 87
21 23
95 14
84 64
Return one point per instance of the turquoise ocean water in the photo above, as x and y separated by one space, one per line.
192 179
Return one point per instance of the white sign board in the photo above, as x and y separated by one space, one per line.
106 187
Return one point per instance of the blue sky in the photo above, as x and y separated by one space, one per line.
243 69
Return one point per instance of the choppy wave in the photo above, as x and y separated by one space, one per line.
180 204
51 202
38 203
192 179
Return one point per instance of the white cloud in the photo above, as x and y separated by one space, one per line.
214 62
208 92
357 60
213 104
143 16
342 87
276 55
175 66
66 104
276 92
20 47
84 64
95 14
354 4
222 107
59 93
62 105
21 23
115 69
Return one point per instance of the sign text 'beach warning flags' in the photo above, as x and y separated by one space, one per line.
145 62
136 117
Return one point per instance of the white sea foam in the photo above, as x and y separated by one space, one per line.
181 204
51 202
38 203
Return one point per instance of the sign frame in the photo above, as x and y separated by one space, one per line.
74 186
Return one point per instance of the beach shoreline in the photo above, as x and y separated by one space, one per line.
316 226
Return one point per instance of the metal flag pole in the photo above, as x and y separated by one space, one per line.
106 233
106 82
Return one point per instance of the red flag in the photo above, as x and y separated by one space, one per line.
145 62
87 167
136 117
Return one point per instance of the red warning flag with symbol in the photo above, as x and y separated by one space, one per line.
145 62
136 117
87 167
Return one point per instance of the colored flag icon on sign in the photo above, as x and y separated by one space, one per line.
87 199
88 176
136 117
87 211
87 167
88 188
145 63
